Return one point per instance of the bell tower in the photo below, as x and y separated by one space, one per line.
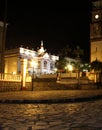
96 31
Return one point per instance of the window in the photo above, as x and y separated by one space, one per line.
45 64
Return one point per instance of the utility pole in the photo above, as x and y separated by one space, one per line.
3 38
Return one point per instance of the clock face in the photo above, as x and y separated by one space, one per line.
97 16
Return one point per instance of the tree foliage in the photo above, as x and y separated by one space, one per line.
66 51
96 66
61 63
78 52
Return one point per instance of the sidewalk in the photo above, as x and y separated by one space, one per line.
55 96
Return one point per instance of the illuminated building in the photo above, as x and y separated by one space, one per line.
96 31
16 58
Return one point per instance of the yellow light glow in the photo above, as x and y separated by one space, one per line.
66 67
13 72
55 69
70 67
34 64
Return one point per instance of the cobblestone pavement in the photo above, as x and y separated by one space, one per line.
50 116
63 116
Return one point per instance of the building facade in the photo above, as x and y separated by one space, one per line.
30 61
96 31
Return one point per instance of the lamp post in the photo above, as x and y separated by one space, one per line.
33 74
33 78
2 46
78 74
70 68
34 65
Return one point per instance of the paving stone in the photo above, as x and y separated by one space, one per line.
52 116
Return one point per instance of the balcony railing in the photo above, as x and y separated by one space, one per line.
10 77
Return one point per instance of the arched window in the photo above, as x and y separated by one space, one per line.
51 66
45 64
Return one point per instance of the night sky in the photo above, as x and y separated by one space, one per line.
56 23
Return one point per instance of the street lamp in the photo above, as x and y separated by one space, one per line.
34 64
70 68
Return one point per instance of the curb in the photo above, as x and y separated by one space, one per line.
52 101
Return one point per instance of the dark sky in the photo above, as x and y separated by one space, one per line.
56 23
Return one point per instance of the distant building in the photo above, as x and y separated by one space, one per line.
96 31
39 62
70 60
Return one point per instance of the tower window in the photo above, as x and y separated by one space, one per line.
96 49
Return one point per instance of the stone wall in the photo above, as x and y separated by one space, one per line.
38 85
41 84
10 86
48 84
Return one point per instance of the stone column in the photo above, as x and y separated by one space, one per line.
23 73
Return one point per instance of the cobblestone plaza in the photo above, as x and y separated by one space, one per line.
73 115
69 116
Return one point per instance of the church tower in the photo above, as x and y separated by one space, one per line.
96 31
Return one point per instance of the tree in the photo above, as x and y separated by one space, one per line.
66 51
78 52
61 63
97 67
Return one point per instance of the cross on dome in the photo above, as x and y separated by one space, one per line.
41 50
